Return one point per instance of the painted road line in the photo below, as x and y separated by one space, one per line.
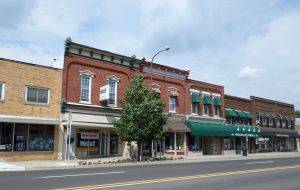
264 162
76 175
162 180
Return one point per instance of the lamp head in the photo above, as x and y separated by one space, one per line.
167 48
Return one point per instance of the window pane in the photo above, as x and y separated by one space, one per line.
85 88
20 140
6 136
172 104
32 94
43 96
195 108
1 85
41 138
112 91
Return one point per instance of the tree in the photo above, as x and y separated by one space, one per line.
297 113
142 117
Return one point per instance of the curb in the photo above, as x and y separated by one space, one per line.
180 161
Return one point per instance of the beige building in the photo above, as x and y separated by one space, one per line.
30 97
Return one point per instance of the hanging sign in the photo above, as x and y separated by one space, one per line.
104 93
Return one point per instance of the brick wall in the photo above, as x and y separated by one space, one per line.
237 103
16 75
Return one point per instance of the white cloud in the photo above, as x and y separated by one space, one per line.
248 72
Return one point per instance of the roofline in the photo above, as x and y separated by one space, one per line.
206 83
271 101
167 67
96 49
31 64
236 97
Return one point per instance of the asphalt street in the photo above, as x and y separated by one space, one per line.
273 173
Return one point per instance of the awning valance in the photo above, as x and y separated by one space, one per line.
217 101
207 100
222 130
196 98
176 127
273 132
230 113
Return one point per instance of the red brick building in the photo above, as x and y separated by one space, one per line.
94 82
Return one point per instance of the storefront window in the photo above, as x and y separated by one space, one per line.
169 141
41 138
228 143
20 139
179 141
195 143
6 136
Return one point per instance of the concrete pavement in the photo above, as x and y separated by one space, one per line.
192 173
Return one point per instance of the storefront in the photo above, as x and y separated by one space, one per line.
219 138
276 140
175 139
27 139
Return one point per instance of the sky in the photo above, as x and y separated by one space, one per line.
251 47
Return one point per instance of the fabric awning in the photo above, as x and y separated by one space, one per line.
241 114
222 130
248 114
207 100
230 113
176 127
273 132
196 98
217 101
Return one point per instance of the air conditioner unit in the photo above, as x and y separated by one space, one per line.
104 93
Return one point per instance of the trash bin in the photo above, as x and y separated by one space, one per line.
244 152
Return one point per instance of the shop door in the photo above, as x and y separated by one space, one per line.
216 146
104 144
87 143
113 144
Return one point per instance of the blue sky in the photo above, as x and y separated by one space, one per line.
252 47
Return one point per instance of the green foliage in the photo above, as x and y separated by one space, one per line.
142 117
297 114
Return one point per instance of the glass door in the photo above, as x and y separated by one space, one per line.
104 141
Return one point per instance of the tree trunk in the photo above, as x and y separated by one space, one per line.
139 151
150 143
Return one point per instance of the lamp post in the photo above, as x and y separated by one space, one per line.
166 48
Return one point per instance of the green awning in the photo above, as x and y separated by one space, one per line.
217 101
230 113
248 114
221 130
207 100
241 114
196 98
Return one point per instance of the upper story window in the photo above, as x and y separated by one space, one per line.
271 121
195 108
37 95
86 86
2 91
206 109
172 104
112 92
217 111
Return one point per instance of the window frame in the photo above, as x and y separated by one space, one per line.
175 102
217 110
90 87
196 110
2 95
38 88
116 92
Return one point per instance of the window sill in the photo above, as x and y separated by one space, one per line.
37 104
172 112
2 101
84 102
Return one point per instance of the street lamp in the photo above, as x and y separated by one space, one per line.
166 48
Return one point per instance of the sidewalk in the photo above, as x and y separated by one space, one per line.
110 162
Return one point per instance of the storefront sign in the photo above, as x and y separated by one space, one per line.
89 135
104 93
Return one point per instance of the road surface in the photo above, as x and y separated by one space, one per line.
259 174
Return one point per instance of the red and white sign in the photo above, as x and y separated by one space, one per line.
89 135
104 93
